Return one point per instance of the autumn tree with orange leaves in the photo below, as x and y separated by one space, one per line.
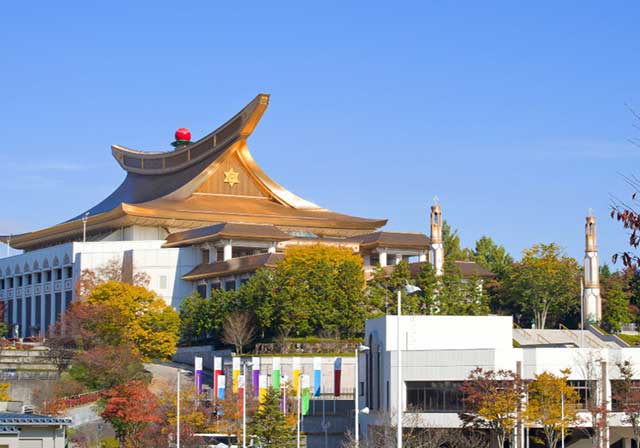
131 408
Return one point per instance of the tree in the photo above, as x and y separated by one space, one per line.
626 393
313 288
269 425
202 318
492 257
452 248
543 285
238 330
616 309
492 400
150 324
106 366
130 408
113 270
4 392
552 405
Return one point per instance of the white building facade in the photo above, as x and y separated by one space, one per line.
439 353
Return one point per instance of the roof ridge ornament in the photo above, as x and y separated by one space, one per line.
183 137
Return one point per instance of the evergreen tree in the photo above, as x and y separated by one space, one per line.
452 247
491 256
269 426
616 309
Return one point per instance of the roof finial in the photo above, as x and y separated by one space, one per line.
436 200
590 211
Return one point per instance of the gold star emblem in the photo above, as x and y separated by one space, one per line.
231 177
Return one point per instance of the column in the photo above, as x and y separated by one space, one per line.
228 250
213 254
272 248
422 257
367 259
382 257
398 258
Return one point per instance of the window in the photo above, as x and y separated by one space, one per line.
38 278
29 278
215 286
68 272
618 388
230 285
58 274
68 296
584 390
2 284
19 281
202 290
47 276
47 312
434 396
163 282
38 322
10 282
205 256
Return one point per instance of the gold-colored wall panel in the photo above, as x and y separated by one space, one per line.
231 170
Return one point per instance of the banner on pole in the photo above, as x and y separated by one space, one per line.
296 374
197 364
306 393
236 372
317 376
337 376
255 369
275 372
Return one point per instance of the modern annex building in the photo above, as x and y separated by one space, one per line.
200 217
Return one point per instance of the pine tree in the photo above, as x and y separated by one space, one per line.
269 426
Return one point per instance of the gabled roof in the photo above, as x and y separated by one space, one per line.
238 265
392 239
224 231
193 186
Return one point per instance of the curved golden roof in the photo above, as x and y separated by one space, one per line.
189 188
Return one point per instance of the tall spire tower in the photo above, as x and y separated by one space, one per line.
591 301
436 254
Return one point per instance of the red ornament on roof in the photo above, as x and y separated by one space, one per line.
183 134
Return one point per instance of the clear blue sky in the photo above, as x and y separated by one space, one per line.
512 113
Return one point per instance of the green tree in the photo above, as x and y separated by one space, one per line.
616 309
491 256
452 247
543 286
314 288
201 318
146 320
460 296
269 425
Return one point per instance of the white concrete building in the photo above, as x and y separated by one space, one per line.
439 352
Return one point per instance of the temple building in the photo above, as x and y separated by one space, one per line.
200 217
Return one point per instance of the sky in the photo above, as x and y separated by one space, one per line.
514 114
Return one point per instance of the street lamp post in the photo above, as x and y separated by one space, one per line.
409 289
85 218
562 417
360 349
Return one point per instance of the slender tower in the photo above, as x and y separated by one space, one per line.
591 301
436 254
